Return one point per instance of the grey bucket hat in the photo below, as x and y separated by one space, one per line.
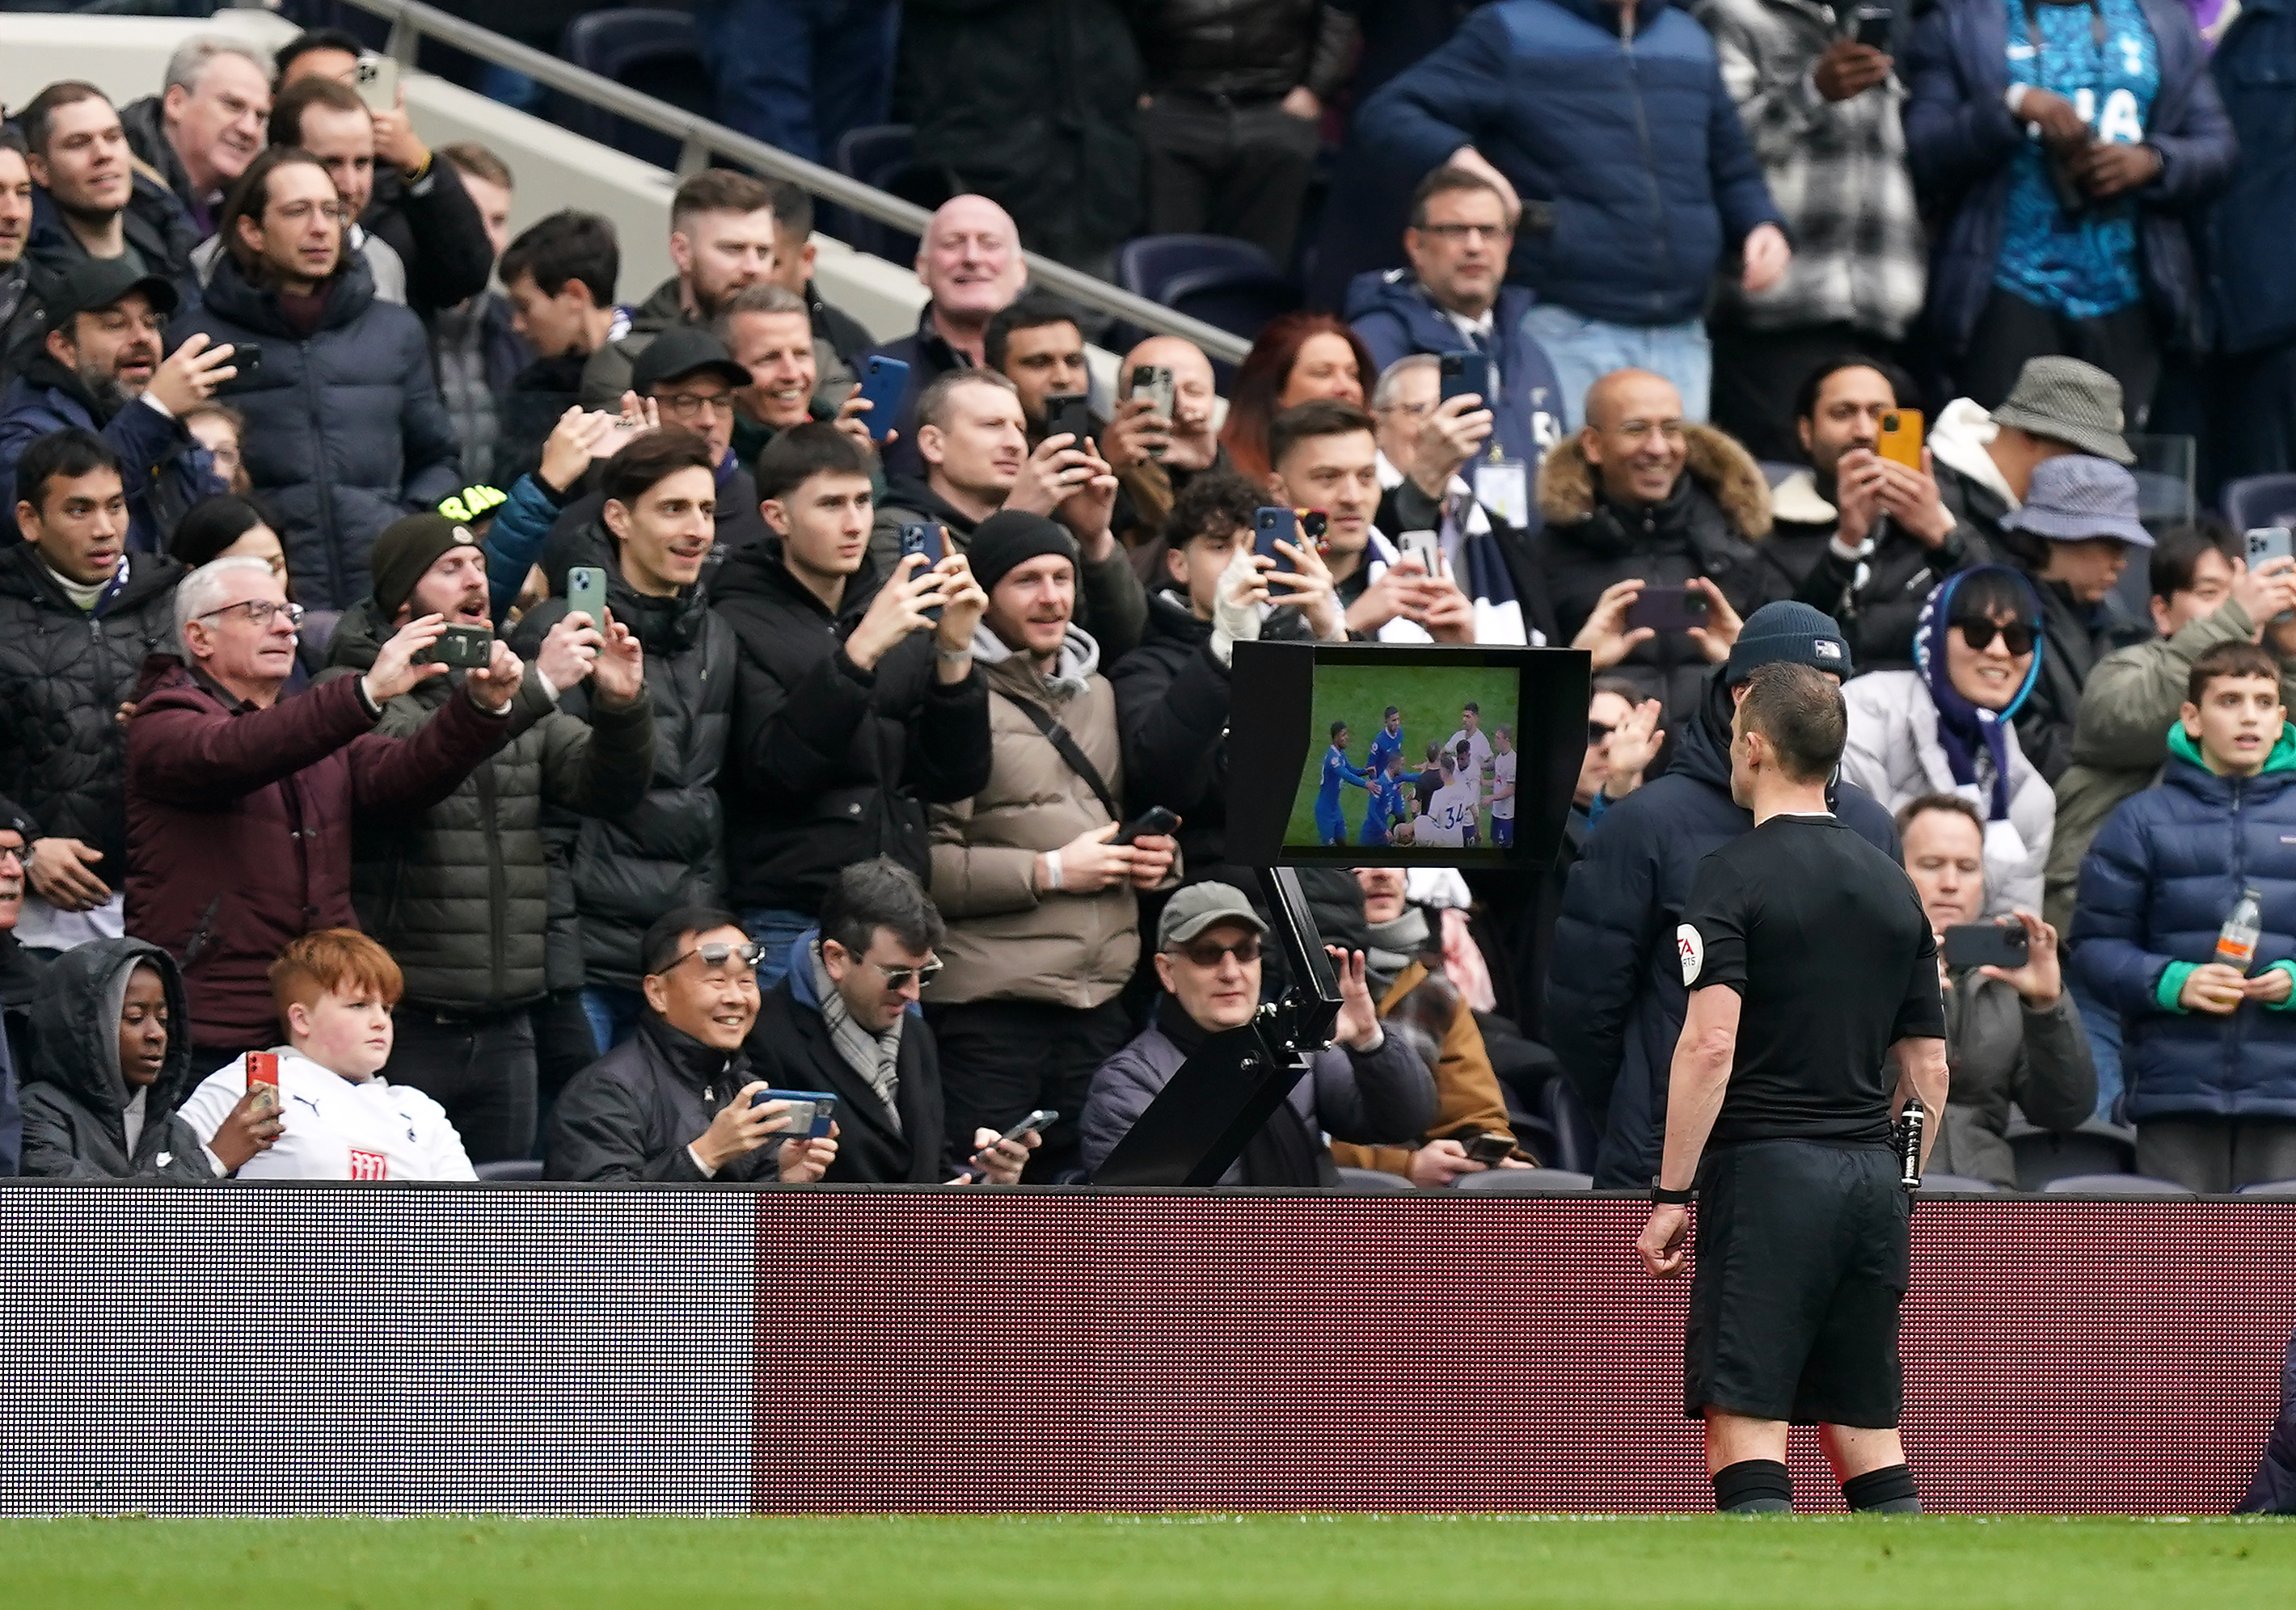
2068 401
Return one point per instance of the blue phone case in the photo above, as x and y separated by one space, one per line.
824 1108
1270 527
882 382
1464 374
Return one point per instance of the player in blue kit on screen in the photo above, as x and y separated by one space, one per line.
1391 799
1331 821
1385 744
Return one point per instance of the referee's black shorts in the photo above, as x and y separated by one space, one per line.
1802 1261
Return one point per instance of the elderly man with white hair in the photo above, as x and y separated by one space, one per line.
206 125
969 259
241 805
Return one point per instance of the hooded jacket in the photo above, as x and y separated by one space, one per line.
2166 871
1635 175
1960 140
64 674
1710 525
2004 1053
156 230
75 1097
1395 317
1615 999
164 470
457 892
831 765
345 430
632 1113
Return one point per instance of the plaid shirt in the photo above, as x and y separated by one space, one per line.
1836 169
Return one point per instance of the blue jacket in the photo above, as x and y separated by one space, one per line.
2253 221
2165 870
1615 1001
1634 169
515 540
1396 319
167 471
1960 138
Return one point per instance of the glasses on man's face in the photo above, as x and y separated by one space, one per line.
1457 234
260 611
299 212
1636 430
901 977
691 404
1208 953
1410 411
2017 636
13 851
722 955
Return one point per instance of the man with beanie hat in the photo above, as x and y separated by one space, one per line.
458 893
1042 904
1615 995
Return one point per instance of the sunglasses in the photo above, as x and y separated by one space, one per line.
2017 635
719 953
1208 953
901 977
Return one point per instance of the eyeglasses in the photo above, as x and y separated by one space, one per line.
1457 233
2016 635
685 405
1596 732
260 610
1208 953
900 977
719 953
15 853
297 212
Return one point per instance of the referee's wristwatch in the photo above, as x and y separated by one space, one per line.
1661 1195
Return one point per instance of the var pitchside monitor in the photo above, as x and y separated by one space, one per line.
1434 756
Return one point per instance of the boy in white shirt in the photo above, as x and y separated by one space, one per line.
340 1119
1450 815
1502 801
1470 733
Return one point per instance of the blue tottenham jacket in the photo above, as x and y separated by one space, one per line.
1615 1001
1395 319
1960 137
2164 871
2253 221
1636 174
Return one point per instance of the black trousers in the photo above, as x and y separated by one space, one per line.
1759 373
481 1070
2012 330
1216 166
1001 1059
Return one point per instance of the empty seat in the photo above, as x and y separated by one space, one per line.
2259 500
1957 1185
650 49
2095 1148
1148 265
2270 1188
2113 1185
883 156
1524 1182
1374 1182
513 1168
1574 1136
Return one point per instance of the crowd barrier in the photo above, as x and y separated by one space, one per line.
388 1349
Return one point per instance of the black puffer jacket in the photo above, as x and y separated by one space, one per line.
1250 50
345 430
632 1113
832 765
629 869
457 895
74 1094
64 675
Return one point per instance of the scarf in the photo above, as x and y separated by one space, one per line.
1963 728
1395 945
876 1057
1280 1151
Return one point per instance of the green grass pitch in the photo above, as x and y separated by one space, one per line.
1428 697
1123 1561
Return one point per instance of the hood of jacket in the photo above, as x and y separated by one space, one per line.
1958 439
1569 489
2186 769
1078 660
1702 752
232 296
76 1026
914 491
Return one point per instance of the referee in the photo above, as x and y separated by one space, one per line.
1814 1014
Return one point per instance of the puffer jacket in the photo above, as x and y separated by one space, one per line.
1712 525
1894 755
832 765
2003 1051
457 895
1615 999
670 850
2166 871
1960 141
1635 175
1395 318
63 676
1245 49
632 1113
75 1096
166 470
1005 941
345 430
2120 737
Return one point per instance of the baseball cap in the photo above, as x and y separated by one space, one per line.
2068 401
681 350
2075 497
1200 907
98 282
1791 631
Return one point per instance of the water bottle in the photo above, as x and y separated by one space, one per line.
2237 940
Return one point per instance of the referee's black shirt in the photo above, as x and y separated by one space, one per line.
1827 946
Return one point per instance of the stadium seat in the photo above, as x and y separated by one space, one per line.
2095 1148
654 51
2260 500
1524 1182
1374 1182
884 157
1240 301
514 1168
1957 1185
1574 1135
1147 266
2113 1185
2270 1188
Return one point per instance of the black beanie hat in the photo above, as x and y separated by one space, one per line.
406 550
1009 539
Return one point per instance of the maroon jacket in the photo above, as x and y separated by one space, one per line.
239 825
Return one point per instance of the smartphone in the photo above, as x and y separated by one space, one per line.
1162 388
2004 944
469 647
376 79
1428 546
586 594
1465 374
882 382
1069 413
1270 527
263 1080
925 537
246 357
1871 27
1490 1150
1901 437
1041 1120
2267 543
1153 822
810 1113
1666 610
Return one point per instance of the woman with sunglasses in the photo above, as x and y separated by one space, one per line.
1948 725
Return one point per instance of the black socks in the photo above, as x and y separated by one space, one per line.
1758 1487
1889 1491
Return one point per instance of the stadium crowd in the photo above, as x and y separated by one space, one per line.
454 719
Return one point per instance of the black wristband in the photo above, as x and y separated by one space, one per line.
1662 1196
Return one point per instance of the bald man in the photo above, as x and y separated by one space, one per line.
969 260
1643 499
1155 456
